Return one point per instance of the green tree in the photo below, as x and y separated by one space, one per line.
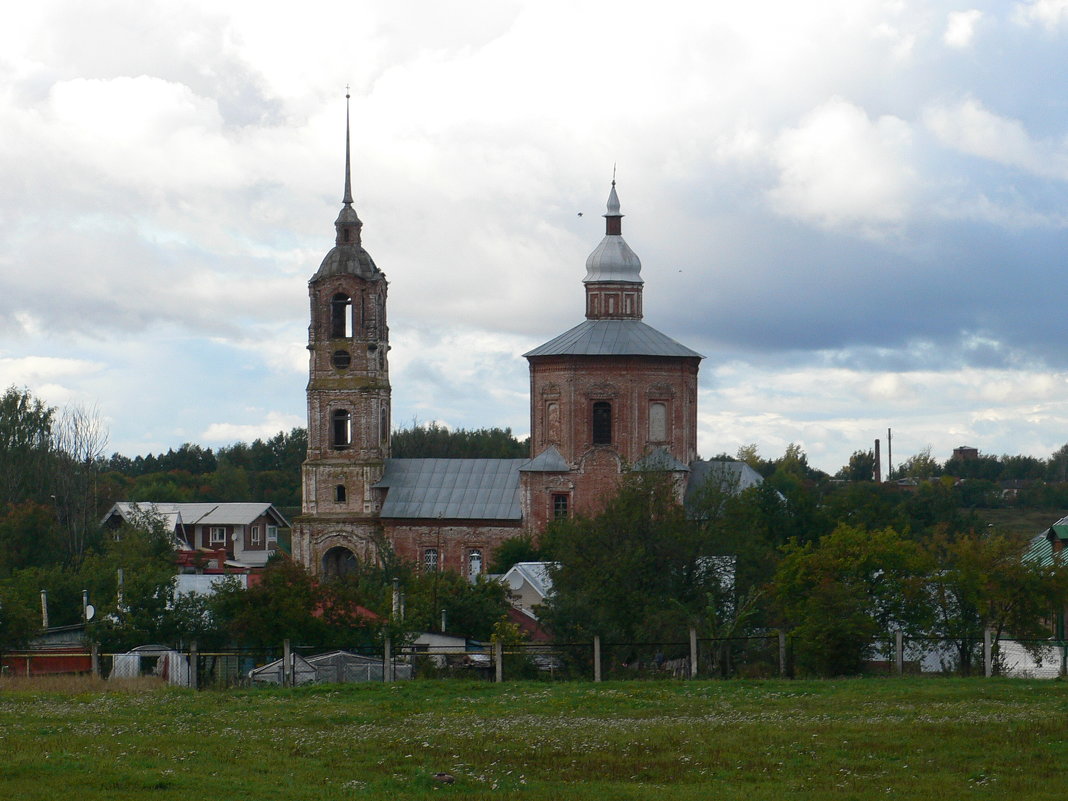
18 620
920 465
518 549
861 467
990 581
837 594
640 570
26 456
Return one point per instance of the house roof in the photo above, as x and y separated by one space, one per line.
1040 549
452 489
191 514
660 459
613 338
731 476
536 574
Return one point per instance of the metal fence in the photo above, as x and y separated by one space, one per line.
768 655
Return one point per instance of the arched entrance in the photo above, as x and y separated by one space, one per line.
338 562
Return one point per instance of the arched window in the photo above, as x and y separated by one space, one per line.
657 422
340 316
474 563
338 562
602 423
341 428
339 493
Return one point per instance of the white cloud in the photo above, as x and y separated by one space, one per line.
971 128
1050 14
960 27
269 424
839 167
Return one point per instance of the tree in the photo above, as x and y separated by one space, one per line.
518 549
861 467
989 581
25 447
436 441
920 465
18 621
640 570
839 593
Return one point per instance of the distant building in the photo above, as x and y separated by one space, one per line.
211 535
965 453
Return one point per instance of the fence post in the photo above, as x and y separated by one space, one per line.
387 659
193 665
693 652
94 659
988 666
287 667
498 661
782 653
596 657
899 651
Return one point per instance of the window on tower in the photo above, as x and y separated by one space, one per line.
341 359
341 428
341 316
602 423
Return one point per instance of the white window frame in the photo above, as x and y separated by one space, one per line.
256 535
217 535
272 534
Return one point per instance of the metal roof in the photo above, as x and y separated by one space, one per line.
549 460
536 574
191 514
731 476
452 489
613 338
660 459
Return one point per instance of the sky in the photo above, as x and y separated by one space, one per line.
857 211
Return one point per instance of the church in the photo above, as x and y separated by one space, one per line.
611 394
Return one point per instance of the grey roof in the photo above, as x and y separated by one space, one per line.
660 459
452 489
731 476
549 460
613 338
536 574
190 514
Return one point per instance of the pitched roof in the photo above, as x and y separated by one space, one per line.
452 489
613 338
536 574
730 476
660 459
193 514
549 460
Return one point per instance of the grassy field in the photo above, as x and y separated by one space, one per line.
856 739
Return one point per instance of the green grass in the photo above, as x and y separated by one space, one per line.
856 739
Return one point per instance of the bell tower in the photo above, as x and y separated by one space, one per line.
348 397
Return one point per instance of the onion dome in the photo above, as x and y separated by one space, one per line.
613 260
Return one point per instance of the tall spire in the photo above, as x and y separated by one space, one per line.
347 200
348 223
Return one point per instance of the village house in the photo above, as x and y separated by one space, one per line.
210 536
